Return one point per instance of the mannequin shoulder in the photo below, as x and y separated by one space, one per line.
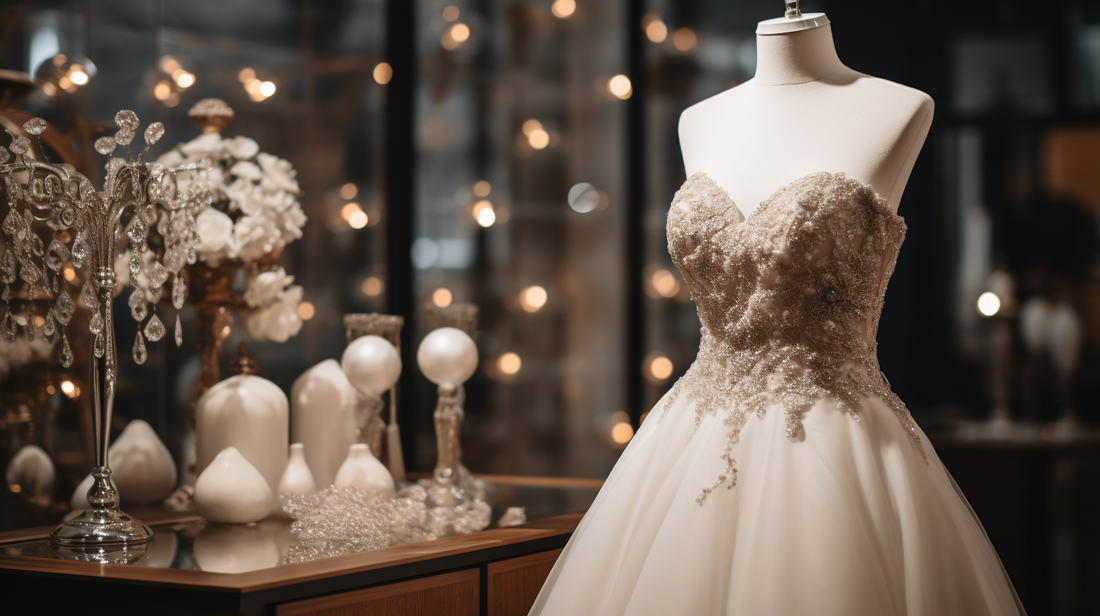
907 101
703 114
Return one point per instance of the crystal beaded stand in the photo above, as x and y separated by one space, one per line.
66 202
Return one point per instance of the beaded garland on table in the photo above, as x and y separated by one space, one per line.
338 521
789 300
70 206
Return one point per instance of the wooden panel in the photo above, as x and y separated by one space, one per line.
514 584
448 594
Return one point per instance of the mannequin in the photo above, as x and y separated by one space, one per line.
804 112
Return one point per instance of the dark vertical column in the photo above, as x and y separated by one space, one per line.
400 196
635 208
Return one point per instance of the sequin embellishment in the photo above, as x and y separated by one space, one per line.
789 300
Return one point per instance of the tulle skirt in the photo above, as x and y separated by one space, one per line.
848 520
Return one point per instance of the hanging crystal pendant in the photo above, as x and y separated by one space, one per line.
154 329
6 295
138 308
49 328
31 327
9 327
100 346
96 324
80 251
66 351
63 309
179 292
140 354
87 295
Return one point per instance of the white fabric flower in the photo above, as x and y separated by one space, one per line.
279 321
264 288
247 170
15 355
278 173
205 145
255 236
215 231
241 148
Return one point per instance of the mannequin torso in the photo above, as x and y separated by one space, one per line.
805 112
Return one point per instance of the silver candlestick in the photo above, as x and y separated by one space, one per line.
137 197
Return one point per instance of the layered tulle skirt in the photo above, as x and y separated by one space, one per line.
850 519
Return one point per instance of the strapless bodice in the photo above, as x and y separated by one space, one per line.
789 299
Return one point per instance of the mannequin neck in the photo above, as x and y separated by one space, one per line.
796 57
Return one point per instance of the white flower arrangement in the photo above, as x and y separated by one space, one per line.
15 355
255 213
256 209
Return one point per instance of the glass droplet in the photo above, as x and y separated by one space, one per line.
80 252
124 137
137 231
179 331
100 346
29 271
35 126
57 255
127 120
5 155
64 308
31 327
179 292
13 223
105 145
7 265
96 324
49 328
87 295
154 132
139 349
9 327
138 305
66 351
19 144
158 274
154 329
6 294
135 267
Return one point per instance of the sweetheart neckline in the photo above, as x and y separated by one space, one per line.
878 200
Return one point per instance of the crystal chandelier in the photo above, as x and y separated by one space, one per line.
137 198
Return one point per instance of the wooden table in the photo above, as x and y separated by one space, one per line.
495 572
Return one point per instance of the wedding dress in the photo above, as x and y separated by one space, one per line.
780 475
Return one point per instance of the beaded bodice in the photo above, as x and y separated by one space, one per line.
789 300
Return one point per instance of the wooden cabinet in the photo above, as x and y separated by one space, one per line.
448 594
513 584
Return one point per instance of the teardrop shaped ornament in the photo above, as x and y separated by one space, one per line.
66 351
96 324
140 354
100 346
138 305
179 292
64 308
179 331
154 329
57 255
9 327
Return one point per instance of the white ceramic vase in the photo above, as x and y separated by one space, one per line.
297 478
32 471
322 418
249 413
362 470
143 470
232 491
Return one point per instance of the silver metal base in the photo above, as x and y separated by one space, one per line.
101 528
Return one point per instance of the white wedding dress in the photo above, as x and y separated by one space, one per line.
780 475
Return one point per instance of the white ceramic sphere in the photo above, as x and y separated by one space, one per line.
371 364
447 356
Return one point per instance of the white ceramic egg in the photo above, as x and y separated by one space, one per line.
447 356
371 364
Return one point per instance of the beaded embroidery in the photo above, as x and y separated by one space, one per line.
789 300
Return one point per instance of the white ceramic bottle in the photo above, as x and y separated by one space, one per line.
362 470
322 417
230 490
297 478
249 413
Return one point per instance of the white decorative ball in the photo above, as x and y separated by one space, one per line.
447 356
372 364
